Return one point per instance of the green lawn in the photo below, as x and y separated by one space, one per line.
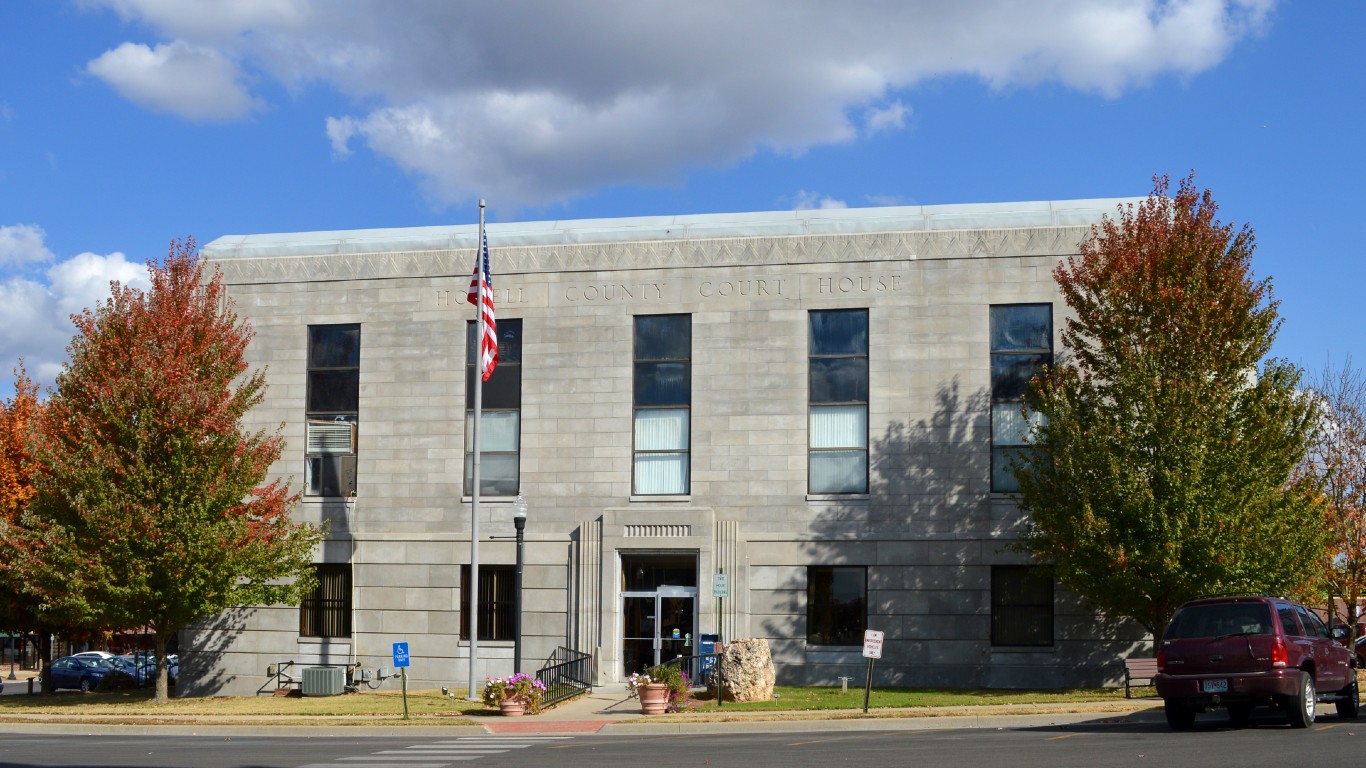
787 698
428 705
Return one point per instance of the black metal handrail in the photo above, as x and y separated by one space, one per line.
566 674
704 670
279 674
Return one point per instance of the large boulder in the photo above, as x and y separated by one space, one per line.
747 670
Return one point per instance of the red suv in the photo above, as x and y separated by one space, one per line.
1244 652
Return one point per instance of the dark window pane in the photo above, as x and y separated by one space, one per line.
836 604
333 391
648 572
663 384
839 332
509 341
1010 374
330 475
334 346
502 390
663 337
1021 606
839 379
1021 327
496 602
326 611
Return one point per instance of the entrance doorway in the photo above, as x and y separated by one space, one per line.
658 609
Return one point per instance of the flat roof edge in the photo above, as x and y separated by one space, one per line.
823 221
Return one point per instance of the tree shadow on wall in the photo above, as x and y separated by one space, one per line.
203 663
203 646
927 536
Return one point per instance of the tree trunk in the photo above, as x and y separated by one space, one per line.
45 659
163 670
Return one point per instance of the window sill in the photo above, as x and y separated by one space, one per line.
1023 648
840 497
665 498
488 643
494 499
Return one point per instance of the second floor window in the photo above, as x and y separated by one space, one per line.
838 395
1021 344
333 405
663 399
500 422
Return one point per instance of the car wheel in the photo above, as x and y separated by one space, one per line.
1300 708
1180 715
1349 699
85 685
1239 714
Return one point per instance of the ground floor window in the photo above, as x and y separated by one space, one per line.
1021 606
836 604
326 611
497 601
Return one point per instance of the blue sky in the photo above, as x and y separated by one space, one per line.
127 123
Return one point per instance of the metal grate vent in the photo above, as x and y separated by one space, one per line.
657 531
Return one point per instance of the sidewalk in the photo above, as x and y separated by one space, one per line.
608 710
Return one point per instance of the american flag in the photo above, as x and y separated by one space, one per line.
488 345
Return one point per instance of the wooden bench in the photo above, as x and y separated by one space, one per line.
1136 670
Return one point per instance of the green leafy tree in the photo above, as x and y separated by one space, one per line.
1163 467
151 505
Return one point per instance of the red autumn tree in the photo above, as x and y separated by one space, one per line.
16 488
16 414
1163 463
151 505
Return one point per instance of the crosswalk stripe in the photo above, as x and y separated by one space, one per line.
377 765
422 755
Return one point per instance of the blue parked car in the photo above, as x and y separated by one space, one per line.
82 674
138 669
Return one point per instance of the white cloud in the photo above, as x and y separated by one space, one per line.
195 82
806 200
889 118
35 317
22 244
531 107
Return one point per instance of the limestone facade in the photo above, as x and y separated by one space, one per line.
927 532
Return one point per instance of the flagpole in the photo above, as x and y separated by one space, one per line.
473 596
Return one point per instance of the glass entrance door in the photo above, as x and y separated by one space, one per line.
659 626
658 608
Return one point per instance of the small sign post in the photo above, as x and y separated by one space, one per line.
872 649
401 661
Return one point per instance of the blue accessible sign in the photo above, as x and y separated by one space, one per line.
400 654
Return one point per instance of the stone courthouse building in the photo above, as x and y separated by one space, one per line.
819 405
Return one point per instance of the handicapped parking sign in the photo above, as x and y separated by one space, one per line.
400 654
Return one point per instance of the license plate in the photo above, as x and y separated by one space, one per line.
1214 686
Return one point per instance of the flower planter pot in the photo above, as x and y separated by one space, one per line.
654 698
512 707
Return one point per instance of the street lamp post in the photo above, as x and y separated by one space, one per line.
519 521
